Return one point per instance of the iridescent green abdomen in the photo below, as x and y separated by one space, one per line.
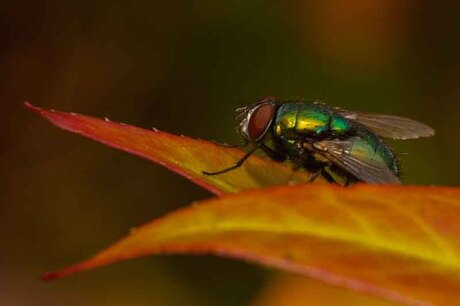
297 120
371 147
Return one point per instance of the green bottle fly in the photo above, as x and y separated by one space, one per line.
342 146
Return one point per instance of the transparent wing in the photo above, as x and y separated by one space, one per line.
362 166
390 126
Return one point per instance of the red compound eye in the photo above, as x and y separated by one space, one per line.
260 121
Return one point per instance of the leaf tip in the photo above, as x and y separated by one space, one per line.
52 275
48 276
31 107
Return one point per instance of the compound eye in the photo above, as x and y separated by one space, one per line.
260 120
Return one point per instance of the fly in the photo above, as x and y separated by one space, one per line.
342 146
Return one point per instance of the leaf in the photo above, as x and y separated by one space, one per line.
183 155
296 290
397 242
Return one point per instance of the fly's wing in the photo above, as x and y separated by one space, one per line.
389 126
358 163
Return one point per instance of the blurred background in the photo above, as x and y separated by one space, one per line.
183 67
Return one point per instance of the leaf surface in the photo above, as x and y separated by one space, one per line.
296 290
397 242
183 155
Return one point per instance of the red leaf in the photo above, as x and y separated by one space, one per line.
183 155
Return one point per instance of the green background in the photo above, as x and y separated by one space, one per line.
183 67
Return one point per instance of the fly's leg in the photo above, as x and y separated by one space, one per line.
341 178
328 177
276 156
314 175
347 182
229 145
235 166
279 157
316 168
350 180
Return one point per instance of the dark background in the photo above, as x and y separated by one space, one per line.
183 67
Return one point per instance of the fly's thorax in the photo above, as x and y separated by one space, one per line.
294 120
339 125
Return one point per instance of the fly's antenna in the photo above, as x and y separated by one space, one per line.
241 109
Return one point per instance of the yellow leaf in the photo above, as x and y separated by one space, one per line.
295 290
397 242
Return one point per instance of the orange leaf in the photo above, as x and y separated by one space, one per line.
398 242
296 290
183 155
